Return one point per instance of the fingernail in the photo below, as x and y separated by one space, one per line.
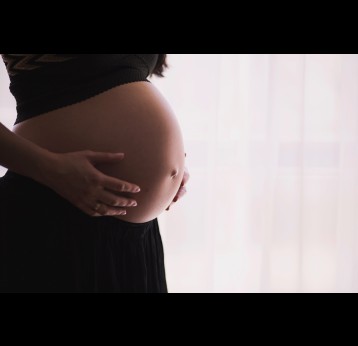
137 189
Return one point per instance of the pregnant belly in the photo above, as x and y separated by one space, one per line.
134 119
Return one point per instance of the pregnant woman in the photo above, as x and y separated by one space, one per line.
95 156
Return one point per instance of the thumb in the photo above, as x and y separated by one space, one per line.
98 157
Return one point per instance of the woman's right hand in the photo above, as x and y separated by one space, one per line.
75 177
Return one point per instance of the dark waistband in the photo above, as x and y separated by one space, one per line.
23 183
17 184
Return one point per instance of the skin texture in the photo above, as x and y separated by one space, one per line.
133 119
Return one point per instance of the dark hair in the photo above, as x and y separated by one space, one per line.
161 65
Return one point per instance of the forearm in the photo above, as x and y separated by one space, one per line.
22 156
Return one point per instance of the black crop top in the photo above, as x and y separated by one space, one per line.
44 82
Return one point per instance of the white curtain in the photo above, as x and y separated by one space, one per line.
272 149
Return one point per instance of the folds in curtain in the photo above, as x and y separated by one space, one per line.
272 204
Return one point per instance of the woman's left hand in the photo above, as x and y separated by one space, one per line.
182 189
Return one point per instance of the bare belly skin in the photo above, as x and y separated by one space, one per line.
134 119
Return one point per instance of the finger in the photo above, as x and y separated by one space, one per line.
118 185
103 210
98 157
182 191
114 200
89 211
186 176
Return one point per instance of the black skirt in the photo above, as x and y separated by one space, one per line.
49 245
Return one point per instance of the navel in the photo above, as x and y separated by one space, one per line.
174 173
